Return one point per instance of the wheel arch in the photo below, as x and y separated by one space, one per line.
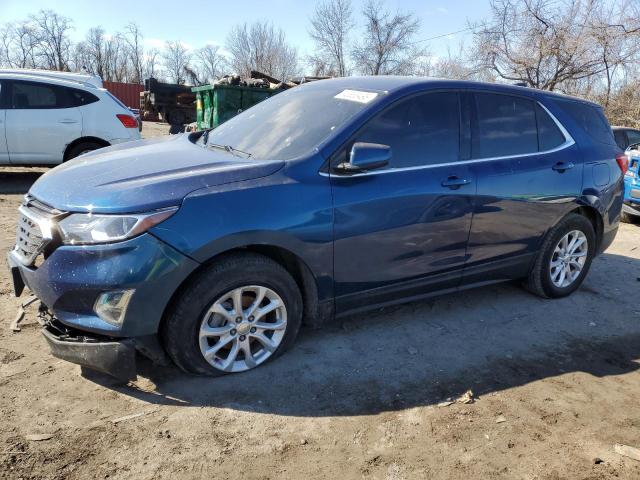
80 140
313 315
588 210
595 217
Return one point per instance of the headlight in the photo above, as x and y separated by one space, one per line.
87 228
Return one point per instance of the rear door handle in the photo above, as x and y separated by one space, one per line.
68 120
453 182
562 166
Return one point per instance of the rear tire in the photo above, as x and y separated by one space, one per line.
208 304
547 279
81 148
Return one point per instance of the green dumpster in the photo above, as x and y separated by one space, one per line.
215 104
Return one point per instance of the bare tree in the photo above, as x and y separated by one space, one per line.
321 66
331 23
92 52
54 44
176 57
116 58
211 63
18 45
388 46
135 51
151 63
261 47
457 64
547 44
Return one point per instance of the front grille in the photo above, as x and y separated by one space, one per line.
34 230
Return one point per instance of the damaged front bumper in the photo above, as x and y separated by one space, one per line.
115 357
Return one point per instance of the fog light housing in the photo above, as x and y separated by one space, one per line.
112 306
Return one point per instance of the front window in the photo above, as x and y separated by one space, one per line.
292 123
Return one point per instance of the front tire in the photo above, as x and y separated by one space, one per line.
239 313
564 259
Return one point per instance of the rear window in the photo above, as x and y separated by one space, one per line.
591 119
505 126
32 95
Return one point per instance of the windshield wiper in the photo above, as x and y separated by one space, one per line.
230 149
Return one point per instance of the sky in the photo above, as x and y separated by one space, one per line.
198 23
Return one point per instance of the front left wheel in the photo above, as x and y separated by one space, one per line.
241 312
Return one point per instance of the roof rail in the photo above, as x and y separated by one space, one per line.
84 78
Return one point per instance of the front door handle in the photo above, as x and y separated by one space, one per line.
562 166
453 182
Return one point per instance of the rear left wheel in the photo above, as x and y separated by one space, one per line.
81 148
564 259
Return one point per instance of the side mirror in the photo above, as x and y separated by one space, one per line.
367 156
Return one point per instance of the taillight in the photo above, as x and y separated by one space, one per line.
623 162
127 120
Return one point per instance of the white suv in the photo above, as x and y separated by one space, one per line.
47 117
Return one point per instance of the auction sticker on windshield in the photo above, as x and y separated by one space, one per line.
356 96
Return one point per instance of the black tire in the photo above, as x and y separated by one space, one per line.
539 281
82 148
179 331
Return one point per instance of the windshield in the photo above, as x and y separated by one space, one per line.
291 123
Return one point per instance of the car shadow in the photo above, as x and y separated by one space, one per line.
486 340
17 182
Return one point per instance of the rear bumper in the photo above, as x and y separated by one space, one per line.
113 357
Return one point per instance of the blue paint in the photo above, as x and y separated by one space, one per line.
367 239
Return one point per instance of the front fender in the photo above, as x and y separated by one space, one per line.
273 211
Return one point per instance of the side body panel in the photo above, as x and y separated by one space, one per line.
398 231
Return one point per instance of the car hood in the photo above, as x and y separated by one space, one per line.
143 175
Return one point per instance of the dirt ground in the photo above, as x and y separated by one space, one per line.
556 385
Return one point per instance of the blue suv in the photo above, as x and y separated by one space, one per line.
331 198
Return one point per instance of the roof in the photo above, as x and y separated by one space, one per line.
82 78
393 84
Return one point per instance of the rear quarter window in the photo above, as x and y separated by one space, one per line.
590 118
79 97
549 134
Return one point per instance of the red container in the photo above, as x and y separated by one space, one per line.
127 93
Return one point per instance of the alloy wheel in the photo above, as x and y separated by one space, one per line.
242 328
569 258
